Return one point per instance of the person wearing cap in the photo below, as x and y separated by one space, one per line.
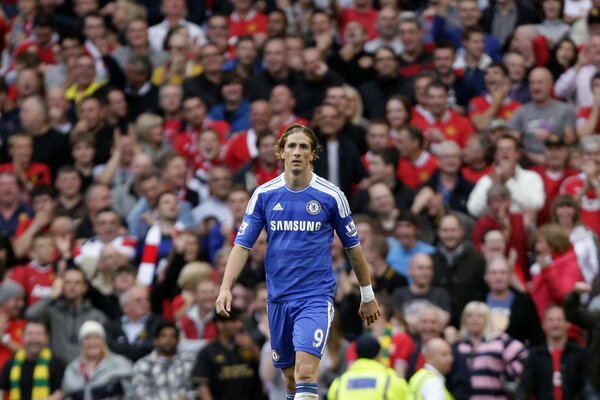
165 373
429 381
367 378
553 171
35 372
544 115
585 187
227 368
11 323
96 374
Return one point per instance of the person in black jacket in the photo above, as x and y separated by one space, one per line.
556 366
457 266
503 16
132 335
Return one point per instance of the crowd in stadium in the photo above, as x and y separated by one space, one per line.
464 133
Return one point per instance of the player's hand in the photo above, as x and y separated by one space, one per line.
369 312
223 303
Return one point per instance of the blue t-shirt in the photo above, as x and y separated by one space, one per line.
299 226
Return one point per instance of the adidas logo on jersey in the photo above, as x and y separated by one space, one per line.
277 207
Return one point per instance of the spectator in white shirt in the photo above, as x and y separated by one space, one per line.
175 12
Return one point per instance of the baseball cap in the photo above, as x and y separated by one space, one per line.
554 140
367 347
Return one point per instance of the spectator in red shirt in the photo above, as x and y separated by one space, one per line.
554 171
170 98
30 174
415 58
478 156
37 277
245 20
496 102
588 121
263 167
363 12
585 187
440 122
514 226
11 324
43 200
42 41
282 103
416 165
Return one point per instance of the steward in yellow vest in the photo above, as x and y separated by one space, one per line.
368 379
429 382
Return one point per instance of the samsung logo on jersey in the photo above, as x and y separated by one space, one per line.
303 226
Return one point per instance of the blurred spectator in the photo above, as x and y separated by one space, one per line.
12 209
207 85
246 62
139 41
405 243
495 360
429 381
175 13
515 308
420 293
368 367
141 94
386 83
439 122
457 266
132 334
246 20
585 187
65 312
96 373
554 369
447 188
234 109
11 324
178 65
43 200
587 117
29 173
471 60
35 370
415 58
339 163
149 131
92 121
516 227
500 19
220 182
416 164
383 166
496 102
526 187
197 324
84 82
588 319
460 90
262 168
535 121
283 102
384 210
237 350
107 232
70 199
478 155
517 71
556 269
37 277
152 376
385 279
387 32
565 212
574 84
351 61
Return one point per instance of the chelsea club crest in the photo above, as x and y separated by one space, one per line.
313 207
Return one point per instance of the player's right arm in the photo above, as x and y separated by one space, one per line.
235 263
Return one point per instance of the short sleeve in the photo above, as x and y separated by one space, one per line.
253 222
343 223
201 371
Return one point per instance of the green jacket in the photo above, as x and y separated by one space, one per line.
418 380
368 380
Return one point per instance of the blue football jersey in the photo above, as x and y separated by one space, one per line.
299 226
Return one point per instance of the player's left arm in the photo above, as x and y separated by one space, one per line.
369 309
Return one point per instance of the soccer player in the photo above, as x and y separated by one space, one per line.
299 210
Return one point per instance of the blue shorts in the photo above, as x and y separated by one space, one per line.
298 325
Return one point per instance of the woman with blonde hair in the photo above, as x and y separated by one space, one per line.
97 373
354 111
150 134
494 359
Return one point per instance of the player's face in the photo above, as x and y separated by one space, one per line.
297 153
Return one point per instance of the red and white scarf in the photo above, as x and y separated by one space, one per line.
150 261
